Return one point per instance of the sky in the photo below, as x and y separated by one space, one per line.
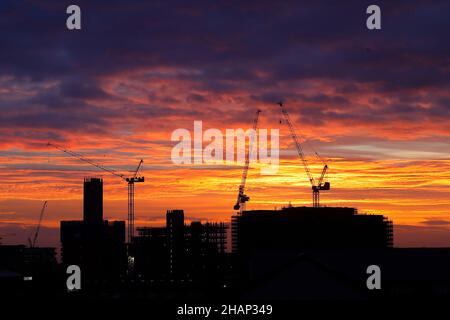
374 103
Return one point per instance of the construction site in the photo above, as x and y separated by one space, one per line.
302 252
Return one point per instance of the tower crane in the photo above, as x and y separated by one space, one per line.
242 198
32 243
318 185
131 180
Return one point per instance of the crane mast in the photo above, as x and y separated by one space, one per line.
320 185
242 198
130 181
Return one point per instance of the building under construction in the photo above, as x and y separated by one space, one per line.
299 228
178 251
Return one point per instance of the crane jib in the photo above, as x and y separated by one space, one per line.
130 180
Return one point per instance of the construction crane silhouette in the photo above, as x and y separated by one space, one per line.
242 198
131 180
32 243
320 184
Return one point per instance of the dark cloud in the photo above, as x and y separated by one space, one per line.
421 236
229 41
265 48
16 232
82 88
436 222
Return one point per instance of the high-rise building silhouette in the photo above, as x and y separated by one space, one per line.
96 245
93 200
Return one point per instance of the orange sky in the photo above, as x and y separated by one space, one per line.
401 173
412 192
375 103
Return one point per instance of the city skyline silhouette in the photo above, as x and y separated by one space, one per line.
102 103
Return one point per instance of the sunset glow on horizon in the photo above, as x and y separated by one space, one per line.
375 106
